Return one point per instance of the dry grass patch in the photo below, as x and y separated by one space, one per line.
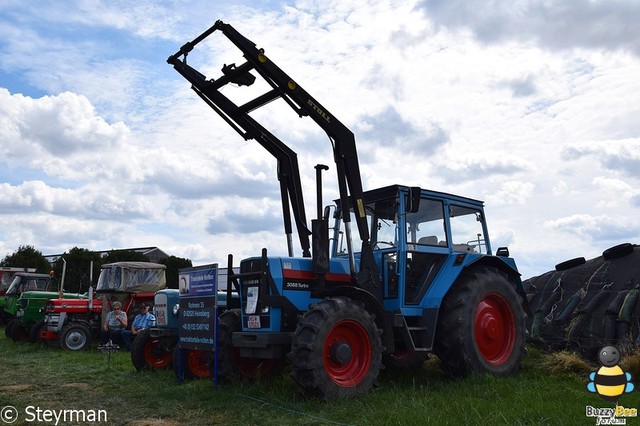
15 388
631 364
566 362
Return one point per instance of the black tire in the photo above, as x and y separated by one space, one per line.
17 332
336 350
151 352
8 327
481 326
231 365
617 251
75 337
34 332
571 263
195 364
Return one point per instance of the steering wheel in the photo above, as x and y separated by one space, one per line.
376 243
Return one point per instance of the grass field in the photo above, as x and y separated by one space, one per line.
550 390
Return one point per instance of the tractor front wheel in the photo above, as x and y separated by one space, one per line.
153 352
17 332
75 337
9 327
195 364
336 350
481 327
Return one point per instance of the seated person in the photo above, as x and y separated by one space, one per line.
113 324
143 320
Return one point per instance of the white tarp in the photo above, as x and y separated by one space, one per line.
133 277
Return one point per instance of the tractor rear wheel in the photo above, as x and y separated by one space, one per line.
481 327
336 350
232 365
153 352
75 337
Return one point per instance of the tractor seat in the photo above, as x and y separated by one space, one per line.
431 240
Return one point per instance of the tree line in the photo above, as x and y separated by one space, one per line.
80 273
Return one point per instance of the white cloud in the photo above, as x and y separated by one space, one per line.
594 228
530 106
512 192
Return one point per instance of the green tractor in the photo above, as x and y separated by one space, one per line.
22 282
29 318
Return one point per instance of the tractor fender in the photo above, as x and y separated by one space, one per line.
382 320
80 320
513 275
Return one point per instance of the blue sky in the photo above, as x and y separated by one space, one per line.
530 106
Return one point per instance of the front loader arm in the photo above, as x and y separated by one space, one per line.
238 118
286 88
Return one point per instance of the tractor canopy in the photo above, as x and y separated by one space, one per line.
132 277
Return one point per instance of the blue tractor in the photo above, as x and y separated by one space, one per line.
153 347
424 279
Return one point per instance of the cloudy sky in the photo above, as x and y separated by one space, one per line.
531 106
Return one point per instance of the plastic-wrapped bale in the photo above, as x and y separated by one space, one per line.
584 305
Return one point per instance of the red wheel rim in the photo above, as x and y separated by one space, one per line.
495 329
198 362
156 354
347 353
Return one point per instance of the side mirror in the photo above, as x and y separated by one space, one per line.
503 252
413 203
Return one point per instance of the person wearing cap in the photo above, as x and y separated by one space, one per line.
143 320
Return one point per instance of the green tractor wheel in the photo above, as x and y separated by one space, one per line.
7 328
15 331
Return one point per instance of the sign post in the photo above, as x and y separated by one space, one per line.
197 330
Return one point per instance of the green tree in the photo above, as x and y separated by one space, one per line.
78 274
27 257
173 264
124 256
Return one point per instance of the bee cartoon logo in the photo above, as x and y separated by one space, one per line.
610 381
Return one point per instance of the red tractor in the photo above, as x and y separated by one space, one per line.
73 323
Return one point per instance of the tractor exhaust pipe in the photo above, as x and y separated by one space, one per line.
320 232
